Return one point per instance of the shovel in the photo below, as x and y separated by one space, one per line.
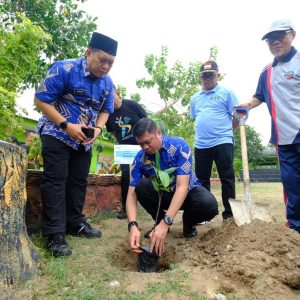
244 211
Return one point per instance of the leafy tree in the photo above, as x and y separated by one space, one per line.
136 97
18 58
175 86
68 25
254 146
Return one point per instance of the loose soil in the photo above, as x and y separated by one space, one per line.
254 261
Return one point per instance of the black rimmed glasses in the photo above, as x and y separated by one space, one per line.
208 75
277 36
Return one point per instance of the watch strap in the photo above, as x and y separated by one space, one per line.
63 124
132 223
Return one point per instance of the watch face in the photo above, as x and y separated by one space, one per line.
63 125
168 220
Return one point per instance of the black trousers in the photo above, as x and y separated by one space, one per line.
125 178
200 205
63 184
222 155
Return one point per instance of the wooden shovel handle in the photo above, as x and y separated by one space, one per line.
246 178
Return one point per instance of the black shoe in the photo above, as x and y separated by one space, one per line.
122 215
189 231
57 245
84 229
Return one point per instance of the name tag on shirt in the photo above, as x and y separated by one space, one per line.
80 92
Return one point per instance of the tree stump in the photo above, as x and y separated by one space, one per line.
18 257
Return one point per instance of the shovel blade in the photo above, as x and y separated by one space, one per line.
243 214
240 211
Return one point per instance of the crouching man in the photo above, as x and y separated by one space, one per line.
186 192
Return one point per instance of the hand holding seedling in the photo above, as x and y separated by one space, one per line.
158 237
161 182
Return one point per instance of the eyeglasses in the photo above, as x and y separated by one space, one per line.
277 36
208 75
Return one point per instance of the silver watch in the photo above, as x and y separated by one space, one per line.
168 219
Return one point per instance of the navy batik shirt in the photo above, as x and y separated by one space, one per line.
175 152
77 96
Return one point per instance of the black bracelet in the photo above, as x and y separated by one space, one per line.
132 223
98 127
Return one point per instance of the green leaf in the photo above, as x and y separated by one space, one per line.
170 170
157 160
155 184
164 178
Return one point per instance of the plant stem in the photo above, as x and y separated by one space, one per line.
158 207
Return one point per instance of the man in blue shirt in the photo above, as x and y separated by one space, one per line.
76 98
279 87
185 191
212 109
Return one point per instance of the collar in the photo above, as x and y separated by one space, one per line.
85 69
164 143
287 58
210 91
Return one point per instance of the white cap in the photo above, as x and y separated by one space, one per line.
279 25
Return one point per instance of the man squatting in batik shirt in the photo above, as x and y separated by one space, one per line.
186 192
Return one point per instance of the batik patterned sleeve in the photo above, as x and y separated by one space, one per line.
136 174
108 104
53 85
185 159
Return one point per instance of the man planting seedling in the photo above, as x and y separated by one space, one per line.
182 190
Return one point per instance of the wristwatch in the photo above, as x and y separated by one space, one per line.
132 223
63 125
168 219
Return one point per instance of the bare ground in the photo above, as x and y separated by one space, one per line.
255 261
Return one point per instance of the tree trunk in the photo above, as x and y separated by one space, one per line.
18 257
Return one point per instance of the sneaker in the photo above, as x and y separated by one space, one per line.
189 231
84 229
121 215
57 245
206 222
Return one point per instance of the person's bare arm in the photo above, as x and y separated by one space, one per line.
254 102
235 123
131 209
159 235
182 183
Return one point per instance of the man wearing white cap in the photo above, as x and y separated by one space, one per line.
76 98
279 88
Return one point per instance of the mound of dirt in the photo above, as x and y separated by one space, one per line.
258 260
